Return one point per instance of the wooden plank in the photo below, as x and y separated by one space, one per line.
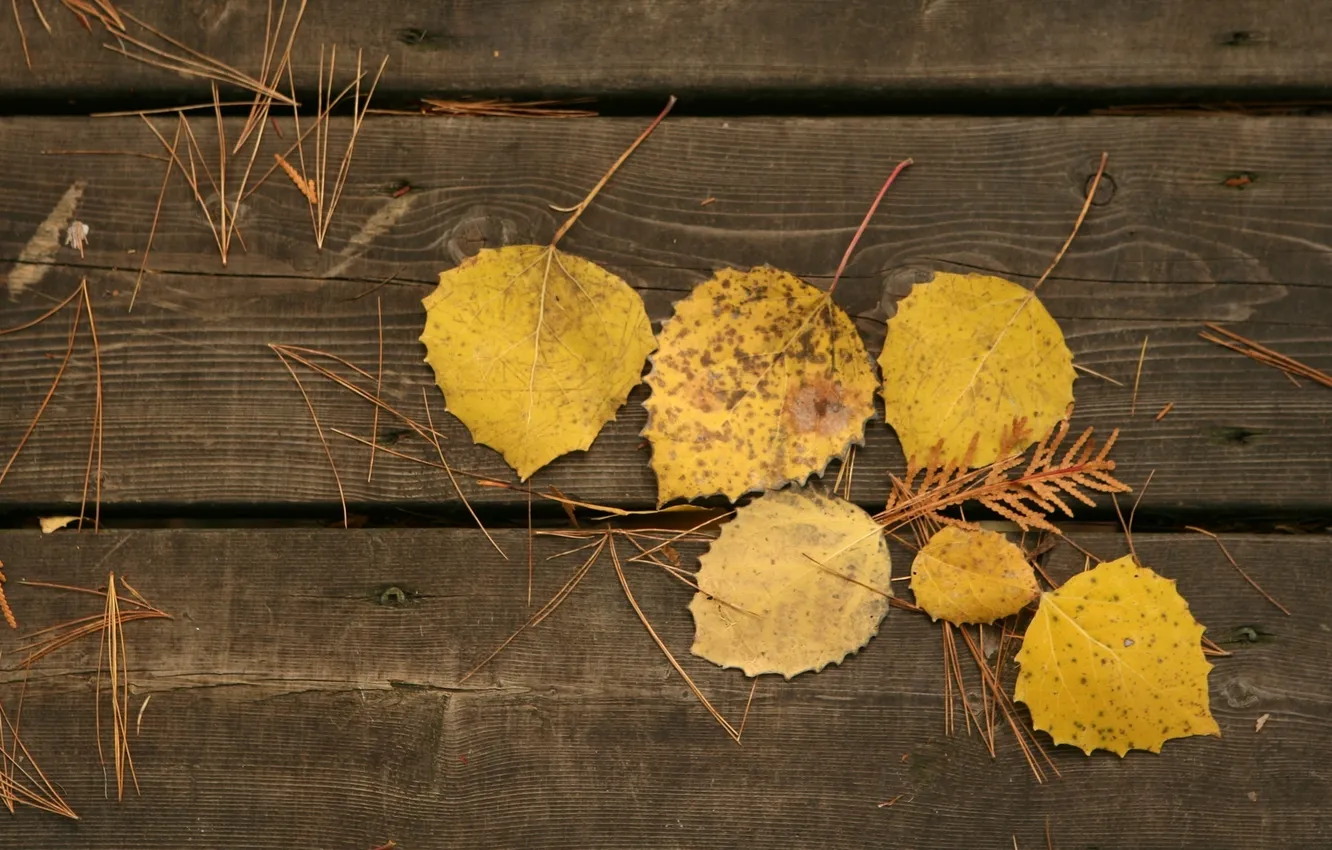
863 54
200 415
289 707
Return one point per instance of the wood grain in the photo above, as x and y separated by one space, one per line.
294 703
200 416
862 54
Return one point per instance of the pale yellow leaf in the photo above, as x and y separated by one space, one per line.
535 349
55 523
797 581
968 356
971 576
760 380
1113 660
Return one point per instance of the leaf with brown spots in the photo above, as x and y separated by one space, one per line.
535 349
760 380
967 575
1113 660
797 581
965 357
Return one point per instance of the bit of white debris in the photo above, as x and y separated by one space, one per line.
35 259
76 236
1262 721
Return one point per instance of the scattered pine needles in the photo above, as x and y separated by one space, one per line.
1292 367
92 478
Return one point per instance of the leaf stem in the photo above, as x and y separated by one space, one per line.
605 178
846 257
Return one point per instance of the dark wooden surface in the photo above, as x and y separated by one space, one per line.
200 415
290 708
864 54
292 702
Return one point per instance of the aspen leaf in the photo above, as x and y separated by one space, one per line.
966 357
1113 660
760 380
535 349
971 576
797 581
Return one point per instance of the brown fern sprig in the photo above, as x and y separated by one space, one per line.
1027 499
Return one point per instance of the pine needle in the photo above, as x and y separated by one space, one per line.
1137 377
1239 569
30 787
117 667
546 610
1162 415
342 496
434 438
689 682
1292 367
157 213
82 301
23 37
379 385
1096 374
745 718
500 108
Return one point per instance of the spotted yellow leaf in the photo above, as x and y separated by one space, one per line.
760 380
967 356
971 576
1113 660
797 581
535 349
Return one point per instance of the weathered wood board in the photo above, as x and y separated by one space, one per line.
1218 220
294 703
864 54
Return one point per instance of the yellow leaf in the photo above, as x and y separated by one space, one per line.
1113 660
797 581
535 349
760 380
971 576
968 357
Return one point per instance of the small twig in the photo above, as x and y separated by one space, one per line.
1162 415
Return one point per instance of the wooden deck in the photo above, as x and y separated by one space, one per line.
307 692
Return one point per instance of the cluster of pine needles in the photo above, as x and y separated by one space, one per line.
22 781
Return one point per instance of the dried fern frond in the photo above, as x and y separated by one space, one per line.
1027 499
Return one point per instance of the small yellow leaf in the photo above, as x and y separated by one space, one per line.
760 381
55 523
971 576
535 349
797 581
1113 660
971 355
